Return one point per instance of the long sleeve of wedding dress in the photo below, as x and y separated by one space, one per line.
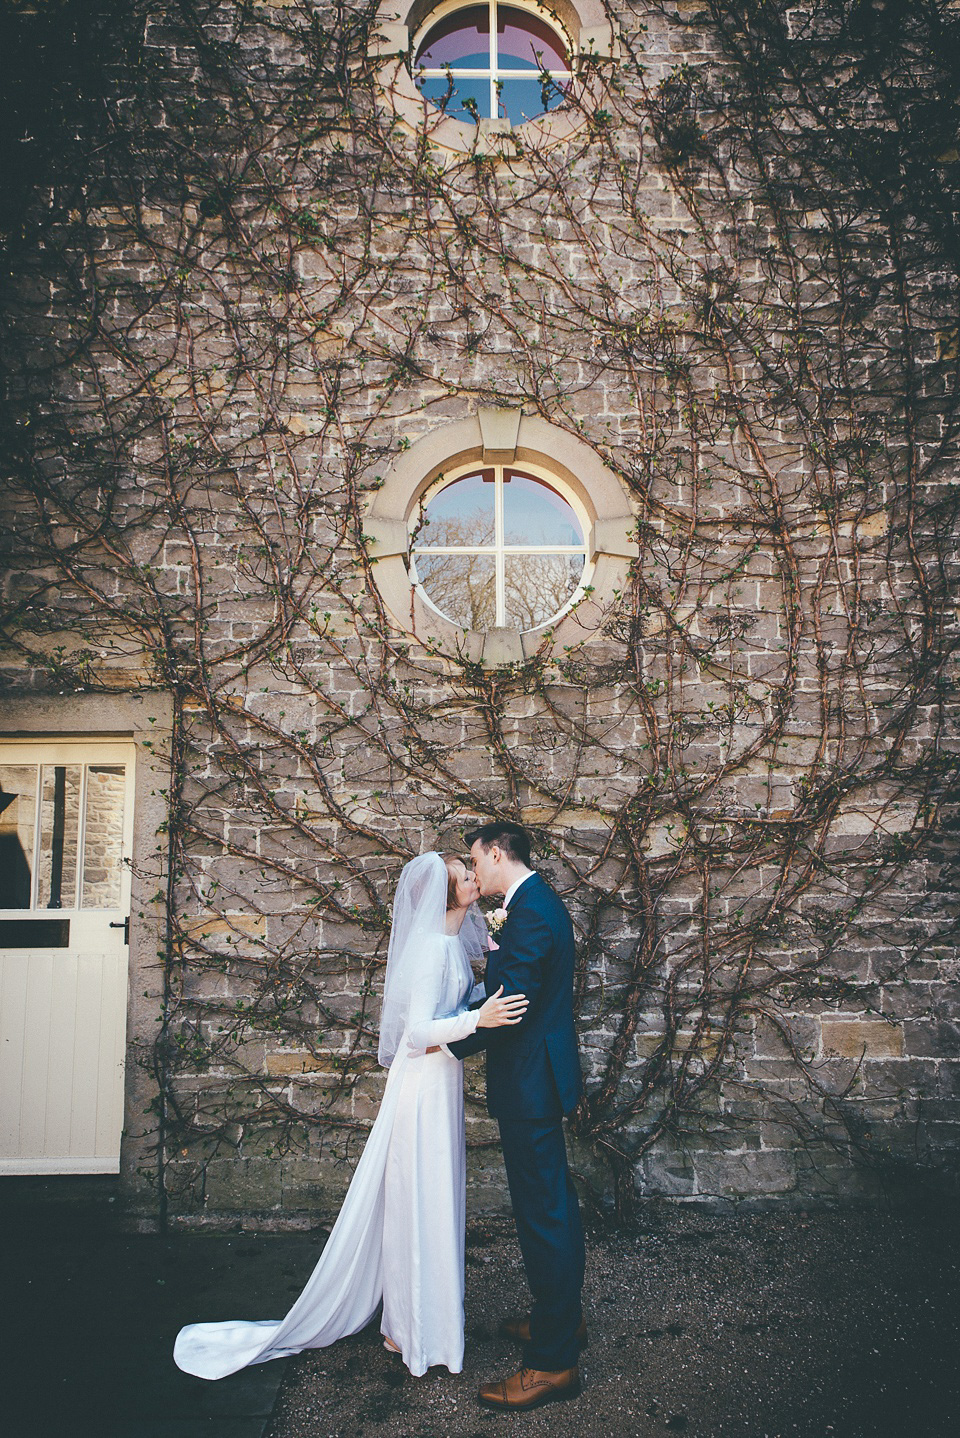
424 1029
399 1233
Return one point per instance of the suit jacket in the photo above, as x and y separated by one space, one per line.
533 1067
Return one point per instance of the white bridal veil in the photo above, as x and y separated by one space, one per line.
414 954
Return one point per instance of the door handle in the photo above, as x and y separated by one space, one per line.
123 924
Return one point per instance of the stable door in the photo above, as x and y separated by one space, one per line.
66 817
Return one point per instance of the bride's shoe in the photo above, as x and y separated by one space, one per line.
390 1347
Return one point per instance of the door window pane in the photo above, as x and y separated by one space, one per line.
537 586
462 586
103 836
18 792
59 824
534 513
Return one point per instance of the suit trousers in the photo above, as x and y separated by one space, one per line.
547 1214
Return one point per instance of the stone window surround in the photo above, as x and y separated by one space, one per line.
498 436
391 36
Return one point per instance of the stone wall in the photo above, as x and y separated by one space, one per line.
731 774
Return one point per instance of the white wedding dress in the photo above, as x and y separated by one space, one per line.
399 1235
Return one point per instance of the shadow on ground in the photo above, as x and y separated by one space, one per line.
762 1326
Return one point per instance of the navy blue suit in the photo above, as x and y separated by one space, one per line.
533 1079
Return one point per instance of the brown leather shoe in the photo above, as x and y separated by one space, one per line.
530 1389
518 1331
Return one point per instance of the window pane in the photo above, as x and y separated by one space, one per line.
18 800
539 585
462 513
103 836
59 822
526 42
466 99
534 513
462 586
462 39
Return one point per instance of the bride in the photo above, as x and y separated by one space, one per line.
399 1236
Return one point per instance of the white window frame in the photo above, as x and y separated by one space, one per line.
499 549
495 72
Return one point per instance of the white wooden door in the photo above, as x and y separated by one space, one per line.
66 819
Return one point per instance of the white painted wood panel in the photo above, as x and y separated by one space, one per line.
61 1061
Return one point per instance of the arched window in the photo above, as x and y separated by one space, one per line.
499 547
493 61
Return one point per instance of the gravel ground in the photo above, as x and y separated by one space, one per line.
765 1326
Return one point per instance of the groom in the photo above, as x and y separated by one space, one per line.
533 1079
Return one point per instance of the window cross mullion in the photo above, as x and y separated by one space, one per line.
494 92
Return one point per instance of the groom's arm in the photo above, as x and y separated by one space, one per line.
519 971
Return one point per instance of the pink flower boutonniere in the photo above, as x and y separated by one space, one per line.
496 920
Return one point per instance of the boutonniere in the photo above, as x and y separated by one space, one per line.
496 920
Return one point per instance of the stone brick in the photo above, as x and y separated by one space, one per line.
869 1038
315 1184
931 1038
241 1184
205 928
730 1174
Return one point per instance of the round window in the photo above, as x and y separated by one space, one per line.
498 547
493 61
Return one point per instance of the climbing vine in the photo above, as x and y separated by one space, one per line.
236 284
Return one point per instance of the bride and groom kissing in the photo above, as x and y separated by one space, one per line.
399 1236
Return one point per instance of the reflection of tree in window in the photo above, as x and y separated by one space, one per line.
497 548
458 531
538 586
463 587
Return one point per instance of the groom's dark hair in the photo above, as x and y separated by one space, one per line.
513 839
